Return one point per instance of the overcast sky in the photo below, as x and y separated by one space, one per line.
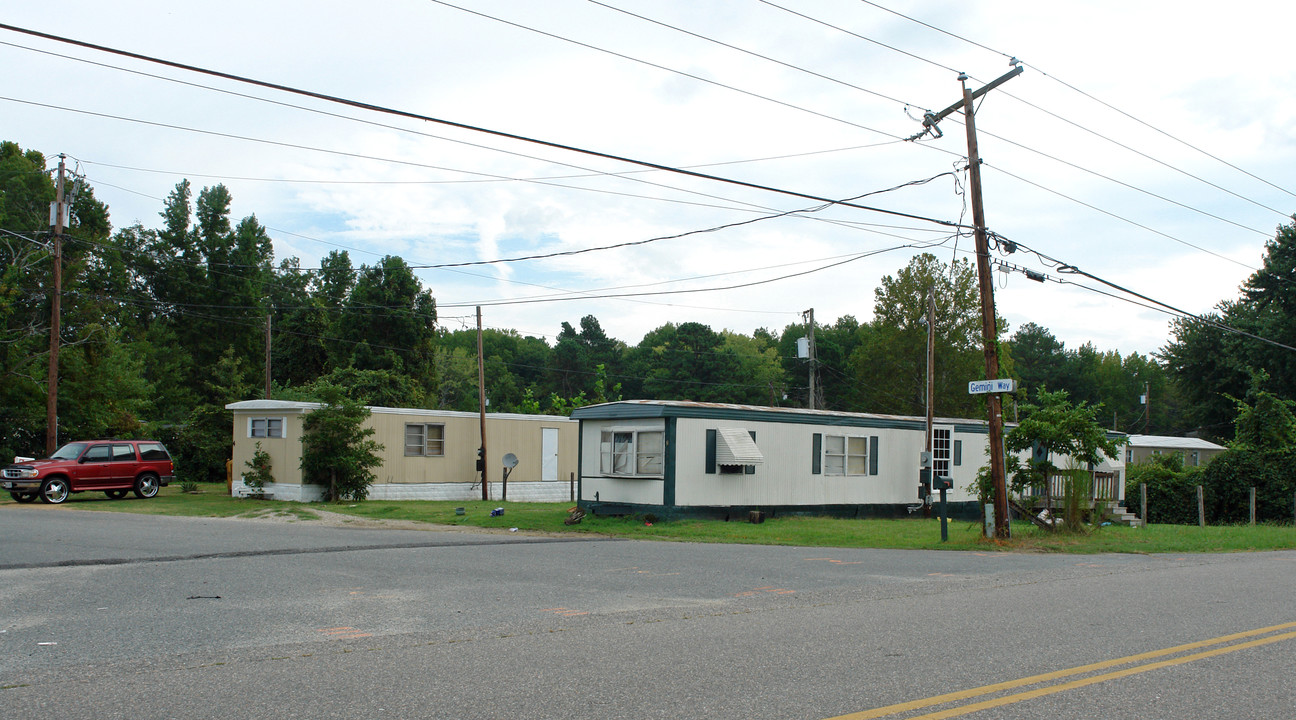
807 96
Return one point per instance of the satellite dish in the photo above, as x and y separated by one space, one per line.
510 460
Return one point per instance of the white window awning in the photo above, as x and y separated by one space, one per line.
735 446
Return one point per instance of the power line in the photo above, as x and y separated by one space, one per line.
752 53
631 243
1117 217
1063 267
463 126
1069 86
853 258
681 73
1011 142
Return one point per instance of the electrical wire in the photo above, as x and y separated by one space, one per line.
632 243
859 256
752 53
1073 88
1067 268
451 123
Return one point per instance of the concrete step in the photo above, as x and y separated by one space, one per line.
1123 516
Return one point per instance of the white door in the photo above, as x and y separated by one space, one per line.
549 454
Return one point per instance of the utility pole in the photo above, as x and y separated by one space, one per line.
931 383
989 329
810 322
481 400
267 358
931 363
57 215
1147 408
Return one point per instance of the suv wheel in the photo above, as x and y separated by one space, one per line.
54 490
115 494
146 485
22 497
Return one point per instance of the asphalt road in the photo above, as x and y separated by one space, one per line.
106 615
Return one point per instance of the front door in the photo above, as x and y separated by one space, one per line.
94 469
549 454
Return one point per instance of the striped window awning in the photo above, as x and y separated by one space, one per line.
735 446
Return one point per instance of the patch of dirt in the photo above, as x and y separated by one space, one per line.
327 518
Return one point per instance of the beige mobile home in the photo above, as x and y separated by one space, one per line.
687 458
1194 451
427 454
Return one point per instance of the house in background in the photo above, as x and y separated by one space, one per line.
675 458
1194 451
427 454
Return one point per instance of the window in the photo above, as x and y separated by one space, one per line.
153 451
265 427
732 451
632 452
123 453
425 439
844 455
942 450
1129 456
98 453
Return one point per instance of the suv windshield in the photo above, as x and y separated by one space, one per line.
71 451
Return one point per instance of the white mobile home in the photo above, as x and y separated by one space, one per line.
427 454
683 458
687 458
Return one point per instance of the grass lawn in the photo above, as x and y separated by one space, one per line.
792 530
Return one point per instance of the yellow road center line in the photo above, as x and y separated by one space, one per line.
1041 692
1055 675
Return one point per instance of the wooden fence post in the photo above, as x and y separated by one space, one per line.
1253 506
1201 507
1143 503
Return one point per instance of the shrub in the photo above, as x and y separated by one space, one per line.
337 451
1172 490
258 470
1231 475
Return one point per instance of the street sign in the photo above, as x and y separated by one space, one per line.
981 387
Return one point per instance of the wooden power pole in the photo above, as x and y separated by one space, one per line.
58 214
989 329
810 345
481 400
267 357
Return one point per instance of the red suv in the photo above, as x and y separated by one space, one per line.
109 466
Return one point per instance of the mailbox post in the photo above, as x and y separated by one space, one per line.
943 484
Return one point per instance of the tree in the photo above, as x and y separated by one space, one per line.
1264 421
1056 427
890 364
575 355
337 450
389 323
1038 358
1212 364
690 361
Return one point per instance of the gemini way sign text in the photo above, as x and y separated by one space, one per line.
980 387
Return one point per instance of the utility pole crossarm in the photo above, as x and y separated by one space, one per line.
930 119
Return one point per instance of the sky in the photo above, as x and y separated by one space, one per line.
1149 147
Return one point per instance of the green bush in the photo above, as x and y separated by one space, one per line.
259 472
1227 481
337 450
1172 490
1230 476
